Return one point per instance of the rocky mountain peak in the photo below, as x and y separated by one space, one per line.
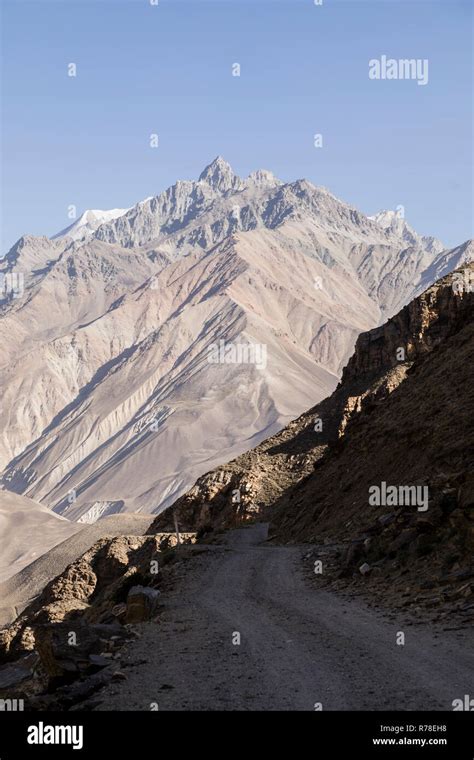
220 176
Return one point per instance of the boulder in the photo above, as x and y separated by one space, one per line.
142 604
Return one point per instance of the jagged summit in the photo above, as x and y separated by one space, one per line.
220 176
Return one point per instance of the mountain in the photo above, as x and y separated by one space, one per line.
404 422
88 222
185 331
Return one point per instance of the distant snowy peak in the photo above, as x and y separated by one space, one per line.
88 223
387 218
394 221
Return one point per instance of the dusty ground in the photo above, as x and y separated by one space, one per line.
298 646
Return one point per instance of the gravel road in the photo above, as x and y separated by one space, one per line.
298 646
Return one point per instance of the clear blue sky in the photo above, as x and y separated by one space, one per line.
143 69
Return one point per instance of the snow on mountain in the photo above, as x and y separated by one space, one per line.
394 221
88 222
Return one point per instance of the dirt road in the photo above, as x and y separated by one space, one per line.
298 646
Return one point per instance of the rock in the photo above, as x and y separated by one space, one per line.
142 604
77 582
364 569
58 655
20 678
466 493
462 574
119 611
100 660
90 588
66 696
12 677
428 585
353 553
114 558
65 649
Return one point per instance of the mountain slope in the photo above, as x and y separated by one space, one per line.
27 530
112 401
231 294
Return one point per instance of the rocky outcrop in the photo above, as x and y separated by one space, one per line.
68 650
88 590
419 435
419 327
74 631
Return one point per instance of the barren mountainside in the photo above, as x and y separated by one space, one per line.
110 401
